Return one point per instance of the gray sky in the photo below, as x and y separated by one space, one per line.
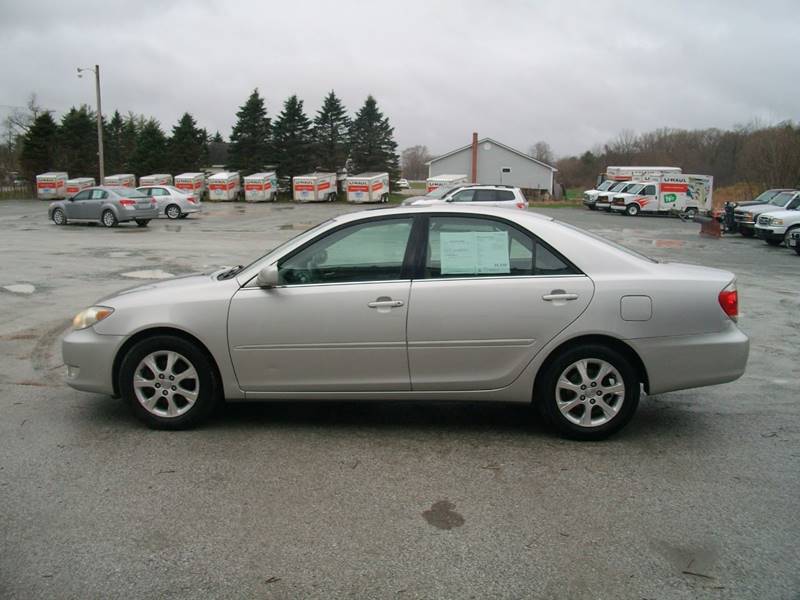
573 73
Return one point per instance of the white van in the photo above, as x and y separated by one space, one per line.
688 194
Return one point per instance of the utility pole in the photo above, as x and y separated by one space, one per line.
100 156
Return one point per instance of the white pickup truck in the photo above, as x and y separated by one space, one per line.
776 227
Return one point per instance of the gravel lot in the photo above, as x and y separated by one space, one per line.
697 497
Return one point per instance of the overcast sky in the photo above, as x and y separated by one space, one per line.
573 73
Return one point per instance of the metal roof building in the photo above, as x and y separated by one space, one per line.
488 161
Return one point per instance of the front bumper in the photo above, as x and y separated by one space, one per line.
89 358
690 361
769 232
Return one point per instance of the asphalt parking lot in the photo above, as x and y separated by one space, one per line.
697 497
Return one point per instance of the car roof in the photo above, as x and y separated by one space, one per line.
413 209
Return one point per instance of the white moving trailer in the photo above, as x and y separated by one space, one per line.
224 186
260 187
51 185
124 180
637 173
368 187
314 187
191 183
79 183
157 179
681 193
445 180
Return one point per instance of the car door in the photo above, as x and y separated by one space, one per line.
490 296
76 207
94 205
648 198
336 322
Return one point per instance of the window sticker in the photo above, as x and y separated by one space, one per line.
474 253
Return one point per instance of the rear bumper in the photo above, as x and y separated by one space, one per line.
89 358
683 362
131 215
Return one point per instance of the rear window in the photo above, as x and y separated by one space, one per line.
503 195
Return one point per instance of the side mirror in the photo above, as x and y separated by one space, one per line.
267 277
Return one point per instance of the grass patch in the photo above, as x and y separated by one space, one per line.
574 193
417 185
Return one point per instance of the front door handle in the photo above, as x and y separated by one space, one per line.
559 296
384 302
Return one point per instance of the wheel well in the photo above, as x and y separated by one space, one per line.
604 340
147 333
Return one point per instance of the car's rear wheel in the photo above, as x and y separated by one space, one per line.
59 218
690 213
632 209
173 211
588 392
108 218
168 382
142 222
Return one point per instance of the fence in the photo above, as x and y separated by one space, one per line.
17 191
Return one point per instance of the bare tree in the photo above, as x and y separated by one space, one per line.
541 151
20 119
413 161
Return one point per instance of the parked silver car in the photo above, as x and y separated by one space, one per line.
172 202
419 303
108 204
503 196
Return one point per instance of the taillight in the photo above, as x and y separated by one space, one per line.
522 205
192 200
729 301
127 202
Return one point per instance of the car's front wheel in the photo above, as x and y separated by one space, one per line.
588 392
632 209
59 218
173 211
168 382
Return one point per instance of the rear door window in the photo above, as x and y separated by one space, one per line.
505 195
484 196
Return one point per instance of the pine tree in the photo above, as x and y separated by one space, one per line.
187 146
127 143
39 147
112 144
331 127
217 138
78 142
250 138
150 155
372 145
292 139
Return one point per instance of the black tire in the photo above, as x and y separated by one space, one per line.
591 207
797 250
173 211
746 232
184 215
632 209
774 241
206 381
59 218
788 235
108 218
690 213
546 399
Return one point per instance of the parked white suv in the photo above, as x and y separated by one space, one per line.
776 227
479 195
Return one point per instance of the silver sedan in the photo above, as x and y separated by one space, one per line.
110 205
430 303
172 202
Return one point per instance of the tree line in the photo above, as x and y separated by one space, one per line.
292 143
760 156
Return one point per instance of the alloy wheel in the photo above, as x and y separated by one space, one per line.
590 392
58 216
166 384
173 212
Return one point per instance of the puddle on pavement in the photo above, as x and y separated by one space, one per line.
175 228
442 515
20 288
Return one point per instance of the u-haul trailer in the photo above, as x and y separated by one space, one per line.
79 183
157 179
368 187
314 187
224 186
445 180
191 183
51 185
123 179
260 187
681 193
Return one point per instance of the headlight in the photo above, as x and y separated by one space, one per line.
90 316
774 221
748 216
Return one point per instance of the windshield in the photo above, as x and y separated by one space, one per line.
439 191
765 196
634 188
781 199
619 186
605 185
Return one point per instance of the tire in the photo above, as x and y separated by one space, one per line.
108 218
173 211
797 250
788 235
606 416
142 222
184 215
690 213
190 399
748 233
632 209
592 207
774 241
59 218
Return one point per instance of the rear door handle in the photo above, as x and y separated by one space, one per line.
562 296
385 303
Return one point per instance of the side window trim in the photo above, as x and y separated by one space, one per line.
419 266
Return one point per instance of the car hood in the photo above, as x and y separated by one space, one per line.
182 284
761 208
785 214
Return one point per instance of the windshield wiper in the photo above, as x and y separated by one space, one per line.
230 272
